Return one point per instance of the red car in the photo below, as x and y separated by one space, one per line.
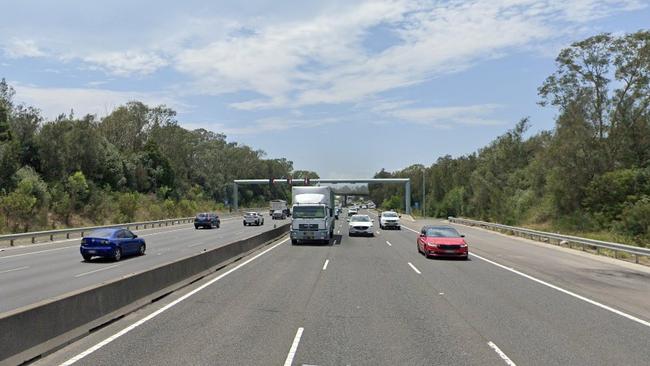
442 241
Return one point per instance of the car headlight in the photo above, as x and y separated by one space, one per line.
464 245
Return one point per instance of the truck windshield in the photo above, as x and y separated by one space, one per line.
308 212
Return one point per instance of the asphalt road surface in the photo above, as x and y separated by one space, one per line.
377 301
35 273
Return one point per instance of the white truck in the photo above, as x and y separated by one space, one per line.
279 205
312 214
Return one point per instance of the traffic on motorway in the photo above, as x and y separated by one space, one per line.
367 295
325 183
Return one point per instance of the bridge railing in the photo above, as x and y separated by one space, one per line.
554 238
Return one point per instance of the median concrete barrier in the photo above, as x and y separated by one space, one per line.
31 331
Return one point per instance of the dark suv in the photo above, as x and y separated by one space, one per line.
207 220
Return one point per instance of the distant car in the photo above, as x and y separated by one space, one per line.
253 218
207 220
442 241
352 211
361 225
111 243
389 219
364 206
278 215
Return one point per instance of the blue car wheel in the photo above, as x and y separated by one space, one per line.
117 254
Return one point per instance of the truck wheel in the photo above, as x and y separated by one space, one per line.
294 241
87 257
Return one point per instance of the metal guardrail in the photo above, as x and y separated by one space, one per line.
559 238
51 233
135 225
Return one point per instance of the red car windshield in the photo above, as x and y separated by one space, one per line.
442 232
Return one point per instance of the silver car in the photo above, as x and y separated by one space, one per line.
253 218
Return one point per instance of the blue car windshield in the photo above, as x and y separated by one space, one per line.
101 234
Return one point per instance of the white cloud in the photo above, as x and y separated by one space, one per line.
313 55
127 62
262 125
445 117
322 59
54 101
19 48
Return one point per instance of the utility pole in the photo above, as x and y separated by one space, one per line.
424 187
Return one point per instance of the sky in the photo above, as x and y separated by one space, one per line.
343 88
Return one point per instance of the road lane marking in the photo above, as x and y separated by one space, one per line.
97 270
14 269
503 356
294 347
560 289
164 308
326 263
570 293
389 244
408 228
40 251
415 269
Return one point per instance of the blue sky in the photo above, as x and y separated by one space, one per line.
340 87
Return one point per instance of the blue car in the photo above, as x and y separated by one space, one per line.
111 243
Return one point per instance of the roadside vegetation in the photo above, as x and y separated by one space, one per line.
137 163
588 176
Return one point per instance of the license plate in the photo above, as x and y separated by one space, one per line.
449 251
92 251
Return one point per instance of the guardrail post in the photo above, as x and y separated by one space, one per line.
33 239
51 237
67 235
11 242
636 259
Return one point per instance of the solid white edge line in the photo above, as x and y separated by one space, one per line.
389 244
97 270
164 308
503 356
415 269
560 289
408 228
567 292
327 261
40 251
294 347
14 269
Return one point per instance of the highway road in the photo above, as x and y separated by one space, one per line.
377 301
30 274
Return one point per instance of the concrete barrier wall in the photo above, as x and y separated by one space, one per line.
30 331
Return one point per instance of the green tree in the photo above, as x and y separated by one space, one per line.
77 188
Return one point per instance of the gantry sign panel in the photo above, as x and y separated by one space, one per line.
308 181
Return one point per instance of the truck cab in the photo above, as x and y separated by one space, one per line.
312 217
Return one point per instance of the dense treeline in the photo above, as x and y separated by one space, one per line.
135 163
591 173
